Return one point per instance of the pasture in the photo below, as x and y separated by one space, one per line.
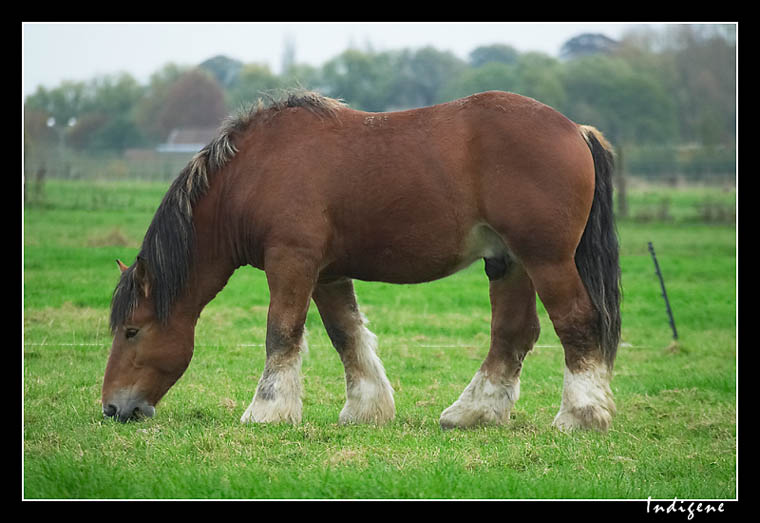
675 434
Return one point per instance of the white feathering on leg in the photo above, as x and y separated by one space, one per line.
278 394
482 402
369 395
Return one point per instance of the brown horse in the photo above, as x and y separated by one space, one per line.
317 194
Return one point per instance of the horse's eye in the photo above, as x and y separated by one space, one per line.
130 332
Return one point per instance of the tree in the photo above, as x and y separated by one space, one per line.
62 103
432 69
587 44
112 101
195 99
362 79
628 105
705 58
417 77
696 65
301 75
540 76
87 126
225 70
491 76
36 128
501 53
252 81
150 106
92 115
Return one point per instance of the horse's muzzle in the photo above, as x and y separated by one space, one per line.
129 411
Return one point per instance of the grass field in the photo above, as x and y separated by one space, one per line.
674 436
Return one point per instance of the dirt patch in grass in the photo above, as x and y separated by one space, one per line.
111 238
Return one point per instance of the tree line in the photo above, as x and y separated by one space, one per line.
670 86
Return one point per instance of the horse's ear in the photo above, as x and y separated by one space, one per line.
122 267
142 276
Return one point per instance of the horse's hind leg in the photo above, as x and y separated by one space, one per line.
369 395
587 400
278 395
514 329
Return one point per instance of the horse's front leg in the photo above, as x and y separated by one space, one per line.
291 278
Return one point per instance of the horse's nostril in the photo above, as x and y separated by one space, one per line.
127 409
109 410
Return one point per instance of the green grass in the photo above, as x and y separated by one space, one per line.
674 435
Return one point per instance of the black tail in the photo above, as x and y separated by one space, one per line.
597 256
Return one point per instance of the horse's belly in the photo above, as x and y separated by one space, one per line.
417 258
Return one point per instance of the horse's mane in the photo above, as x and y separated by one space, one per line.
167 249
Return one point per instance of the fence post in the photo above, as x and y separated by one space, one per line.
622 198
664 293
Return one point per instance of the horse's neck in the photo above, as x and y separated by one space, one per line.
214 258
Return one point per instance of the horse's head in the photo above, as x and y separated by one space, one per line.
147 355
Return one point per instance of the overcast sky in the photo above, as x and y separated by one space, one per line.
53 52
